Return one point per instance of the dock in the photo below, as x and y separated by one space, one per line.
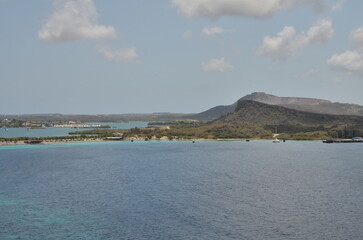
343 141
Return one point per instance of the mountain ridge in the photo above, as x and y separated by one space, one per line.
313 105
266 114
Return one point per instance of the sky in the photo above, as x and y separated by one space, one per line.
181 56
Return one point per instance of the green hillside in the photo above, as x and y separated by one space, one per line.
296 103
265 114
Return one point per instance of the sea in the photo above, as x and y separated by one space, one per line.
182 190
64 131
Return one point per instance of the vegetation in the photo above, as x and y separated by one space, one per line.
250 120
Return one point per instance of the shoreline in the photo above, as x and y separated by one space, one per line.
45 142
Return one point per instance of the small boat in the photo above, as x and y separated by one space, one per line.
247 140
357 139
353 140
275 136
113 139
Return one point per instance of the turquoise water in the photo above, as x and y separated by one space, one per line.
59 132
181 190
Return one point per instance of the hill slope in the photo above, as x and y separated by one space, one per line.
215 112
265 114
303 104
307 104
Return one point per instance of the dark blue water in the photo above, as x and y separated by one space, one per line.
181 190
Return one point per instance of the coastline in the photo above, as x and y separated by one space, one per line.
46 142
51 142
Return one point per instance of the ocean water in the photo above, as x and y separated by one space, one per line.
181 190
60 132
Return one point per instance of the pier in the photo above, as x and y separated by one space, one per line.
343 141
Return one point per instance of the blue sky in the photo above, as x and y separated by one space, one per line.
140 56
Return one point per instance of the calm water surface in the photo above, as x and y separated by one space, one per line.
181 190
60 132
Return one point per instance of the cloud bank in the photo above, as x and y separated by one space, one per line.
216 65
213 9
287 42
74 20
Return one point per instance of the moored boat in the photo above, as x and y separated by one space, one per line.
113 139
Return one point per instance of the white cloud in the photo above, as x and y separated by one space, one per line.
280 46
74 20
187 34
322 31
212 31
349 61
125 54
213 9
357 36
216 65
338 5
286 43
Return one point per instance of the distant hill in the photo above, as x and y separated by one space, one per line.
303 104
265 114
99 117
257 120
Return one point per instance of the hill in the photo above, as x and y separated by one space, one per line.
302 104
215 112
255 120
265 114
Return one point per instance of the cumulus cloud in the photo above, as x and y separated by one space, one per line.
74 20
125 54
350 62
212 31
213 9
216 65
322 31
357 36
287 42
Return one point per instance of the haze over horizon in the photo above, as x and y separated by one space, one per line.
180 56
